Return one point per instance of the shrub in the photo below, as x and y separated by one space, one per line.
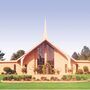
24 70
4 78
27 77
78 78
79 71
34 78
8 70
52 78
74 77
9 78
37 79
13 72
64 77
83 78
23 77
56 79
69 77
43 78
18 78
85 69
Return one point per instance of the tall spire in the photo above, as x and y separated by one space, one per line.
45 30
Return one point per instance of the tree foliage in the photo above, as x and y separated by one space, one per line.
1 56
8 70
83 55
17 55
75 55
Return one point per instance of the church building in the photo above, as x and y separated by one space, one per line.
45 58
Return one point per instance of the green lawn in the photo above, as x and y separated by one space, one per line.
83 85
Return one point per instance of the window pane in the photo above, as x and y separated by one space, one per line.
50 55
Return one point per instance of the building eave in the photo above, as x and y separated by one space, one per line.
82 61
8 61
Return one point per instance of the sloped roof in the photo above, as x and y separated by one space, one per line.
54 46
36 45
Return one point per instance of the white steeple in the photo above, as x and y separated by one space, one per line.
45 30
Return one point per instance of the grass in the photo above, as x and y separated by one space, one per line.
83 85
47 86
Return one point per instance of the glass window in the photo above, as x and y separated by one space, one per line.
50 55
40 60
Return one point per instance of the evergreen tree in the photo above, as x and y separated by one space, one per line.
2 55
17 55
75 56
84 55
85 52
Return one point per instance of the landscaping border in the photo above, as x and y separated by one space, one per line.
44 81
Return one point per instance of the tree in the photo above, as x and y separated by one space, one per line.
84 55
17 55
1 56
85 51
75 56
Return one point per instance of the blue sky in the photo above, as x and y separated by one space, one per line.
22 24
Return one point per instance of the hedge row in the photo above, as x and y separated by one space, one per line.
74 77
29 78
17 78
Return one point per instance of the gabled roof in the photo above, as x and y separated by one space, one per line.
50 43
36 45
